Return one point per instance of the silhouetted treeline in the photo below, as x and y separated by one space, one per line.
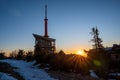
22 55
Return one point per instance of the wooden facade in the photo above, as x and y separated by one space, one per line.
44 44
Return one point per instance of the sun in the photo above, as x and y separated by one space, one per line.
81 53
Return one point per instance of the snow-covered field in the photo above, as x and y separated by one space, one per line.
27 70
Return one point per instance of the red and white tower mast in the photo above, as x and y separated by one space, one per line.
46 23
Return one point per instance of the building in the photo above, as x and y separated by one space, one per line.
44 44
114 58
114 52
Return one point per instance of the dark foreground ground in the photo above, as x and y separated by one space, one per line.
6 68
70 76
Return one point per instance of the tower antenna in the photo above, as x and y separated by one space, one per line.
45 11
46 23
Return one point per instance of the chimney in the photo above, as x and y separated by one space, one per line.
46 23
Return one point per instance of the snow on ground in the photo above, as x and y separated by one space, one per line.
114 74
93 74
28 71
4 76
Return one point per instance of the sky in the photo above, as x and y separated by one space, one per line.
69 22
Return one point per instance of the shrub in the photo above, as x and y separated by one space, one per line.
20 54
29 56
2 55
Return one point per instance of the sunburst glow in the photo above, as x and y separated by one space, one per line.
81 53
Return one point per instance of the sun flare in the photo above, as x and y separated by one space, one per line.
81 53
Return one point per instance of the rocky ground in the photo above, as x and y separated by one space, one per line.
70 76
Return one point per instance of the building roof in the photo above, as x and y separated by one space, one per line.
37 37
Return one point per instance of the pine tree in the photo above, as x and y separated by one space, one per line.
96 39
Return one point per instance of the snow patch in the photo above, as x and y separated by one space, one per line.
28 71
114 74
93 74
5 76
